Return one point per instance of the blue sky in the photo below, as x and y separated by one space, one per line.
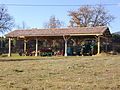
36 16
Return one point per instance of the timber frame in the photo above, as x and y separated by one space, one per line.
64 33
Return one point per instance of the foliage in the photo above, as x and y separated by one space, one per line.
90 16
53 23
116 42
3 45
6 21
115 38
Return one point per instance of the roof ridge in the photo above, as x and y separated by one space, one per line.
61 28
44 29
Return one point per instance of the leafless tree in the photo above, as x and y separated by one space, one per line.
53 23
23 25
6 21
90 16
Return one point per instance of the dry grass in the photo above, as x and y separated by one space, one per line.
61 73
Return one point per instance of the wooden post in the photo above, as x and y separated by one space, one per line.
9 54
66 39
106 45
65 48
25 46
36 53
98 45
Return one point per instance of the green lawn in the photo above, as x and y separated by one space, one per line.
60 73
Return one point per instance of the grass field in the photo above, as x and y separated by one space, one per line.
60 73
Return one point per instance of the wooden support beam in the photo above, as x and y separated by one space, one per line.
65 48
107 45
25 45
9 54
66 39
98 45
36 53
85 34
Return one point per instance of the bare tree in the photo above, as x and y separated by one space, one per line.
90 16
53 23
23 25
6 21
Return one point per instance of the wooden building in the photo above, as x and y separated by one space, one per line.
75 33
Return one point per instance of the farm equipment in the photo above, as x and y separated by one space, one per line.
46 52
88 48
